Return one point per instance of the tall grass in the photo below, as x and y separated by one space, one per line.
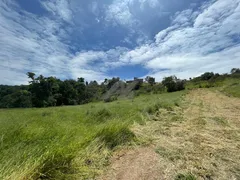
68 142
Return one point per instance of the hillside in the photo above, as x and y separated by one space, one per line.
72 141
198 140
186 134
121 90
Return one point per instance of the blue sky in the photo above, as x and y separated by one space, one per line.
98 39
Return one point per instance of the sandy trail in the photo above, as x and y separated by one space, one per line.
202 137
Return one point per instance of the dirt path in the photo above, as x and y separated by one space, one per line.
200 138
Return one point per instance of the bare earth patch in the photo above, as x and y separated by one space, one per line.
134 164
201 138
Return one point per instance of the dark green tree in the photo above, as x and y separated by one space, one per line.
235 71
207 76
173 84
150 80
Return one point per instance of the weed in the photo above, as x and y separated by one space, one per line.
152 109
176 104
55 167
114 135
176 118
46 113
155 107
100 115
220 121
200 121
188 176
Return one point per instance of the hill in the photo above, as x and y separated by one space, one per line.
121 90
192 133
71 141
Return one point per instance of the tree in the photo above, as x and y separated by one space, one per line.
235 70
31 75
18 99
173 84
111 82
207 76
150 80
170 83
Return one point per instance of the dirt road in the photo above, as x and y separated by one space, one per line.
201 138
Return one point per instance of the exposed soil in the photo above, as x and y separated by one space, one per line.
137 164
202 137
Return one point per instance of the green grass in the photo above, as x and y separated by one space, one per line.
220 121
188 176
70 142
230 86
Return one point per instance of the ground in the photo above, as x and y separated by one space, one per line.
199 139
185 135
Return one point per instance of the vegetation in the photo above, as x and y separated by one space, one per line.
186 136
173 84
70 141
185 177
50 91
227 83
150 80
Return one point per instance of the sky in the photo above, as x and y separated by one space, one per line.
98 39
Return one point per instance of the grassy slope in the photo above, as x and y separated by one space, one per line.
69 142
230 86
199 139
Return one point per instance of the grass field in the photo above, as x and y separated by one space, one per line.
229 86
71 142
77 142
197 140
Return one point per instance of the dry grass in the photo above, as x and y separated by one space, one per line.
204 142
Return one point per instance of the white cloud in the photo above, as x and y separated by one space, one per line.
119 12
33 43
194 45
196 41
194 65
96 63
59 8
28 45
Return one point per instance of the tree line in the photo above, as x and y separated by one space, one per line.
50 91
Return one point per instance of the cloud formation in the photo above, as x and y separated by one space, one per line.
166 38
